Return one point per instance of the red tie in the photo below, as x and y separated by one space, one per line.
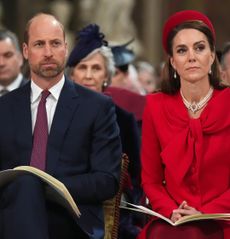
38 156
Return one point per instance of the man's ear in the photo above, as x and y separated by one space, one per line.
223 75
67 50
25 50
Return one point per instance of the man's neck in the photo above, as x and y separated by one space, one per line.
46 83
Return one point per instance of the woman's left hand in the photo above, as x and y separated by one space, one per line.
186 210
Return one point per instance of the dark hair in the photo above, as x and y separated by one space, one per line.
4 34
170 85
26 32
123 68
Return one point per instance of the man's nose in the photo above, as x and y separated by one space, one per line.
2 61
48 50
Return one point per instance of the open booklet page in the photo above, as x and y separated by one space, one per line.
190 218
55 190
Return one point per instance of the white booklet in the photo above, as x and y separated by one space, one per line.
190 218
55 190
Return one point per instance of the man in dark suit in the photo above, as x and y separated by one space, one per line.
11 61
83 147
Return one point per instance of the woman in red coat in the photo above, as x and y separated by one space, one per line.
186 134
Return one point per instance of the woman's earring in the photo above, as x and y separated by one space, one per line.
174 75
105 84
210 72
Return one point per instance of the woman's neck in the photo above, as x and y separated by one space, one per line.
195 92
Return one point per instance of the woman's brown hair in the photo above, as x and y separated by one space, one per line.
169 84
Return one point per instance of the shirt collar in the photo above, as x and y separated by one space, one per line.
14 85
55 90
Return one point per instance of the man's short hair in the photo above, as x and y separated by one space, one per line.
4 34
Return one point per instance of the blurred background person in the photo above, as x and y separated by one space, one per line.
126 75
225 64
91 64
11 61
125 89
147 75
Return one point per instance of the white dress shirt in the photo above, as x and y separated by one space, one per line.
51 101
14 85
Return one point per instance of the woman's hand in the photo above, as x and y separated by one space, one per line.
183 210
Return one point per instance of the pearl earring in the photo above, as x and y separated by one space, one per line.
105 84
174 75
210 72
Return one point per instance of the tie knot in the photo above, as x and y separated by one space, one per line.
45 94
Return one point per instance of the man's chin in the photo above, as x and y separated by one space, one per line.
50 73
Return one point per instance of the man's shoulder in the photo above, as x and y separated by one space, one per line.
90 94
14 94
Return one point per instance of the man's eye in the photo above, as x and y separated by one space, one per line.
56 44
38 44
9 55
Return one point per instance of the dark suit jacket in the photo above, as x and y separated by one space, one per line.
83 148
23 82
130 139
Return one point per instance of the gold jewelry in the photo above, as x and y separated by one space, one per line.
194 107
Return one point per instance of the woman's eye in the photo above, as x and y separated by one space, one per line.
181 50
200 47
81 67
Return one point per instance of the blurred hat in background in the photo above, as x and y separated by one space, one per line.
122 55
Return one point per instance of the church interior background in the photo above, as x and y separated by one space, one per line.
120 20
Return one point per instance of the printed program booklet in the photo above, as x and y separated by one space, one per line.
185 219
55 190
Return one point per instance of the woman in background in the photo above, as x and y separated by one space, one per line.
186 134
92 65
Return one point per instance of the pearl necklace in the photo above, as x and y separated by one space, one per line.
194 107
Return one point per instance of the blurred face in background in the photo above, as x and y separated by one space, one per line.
148 81
91 72
225 69
10 62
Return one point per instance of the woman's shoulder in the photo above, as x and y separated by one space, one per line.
158 98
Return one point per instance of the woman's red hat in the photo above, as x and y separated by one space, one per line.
183 16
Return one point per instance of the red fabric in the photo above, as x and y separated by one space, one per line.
192 156
127 100
183 16
194 230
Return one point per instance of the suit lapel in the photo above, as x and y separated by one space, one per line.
66 107
23 125
23 82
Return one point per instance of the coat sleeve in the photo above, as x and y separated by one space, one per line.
102 179
218 205
152 166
